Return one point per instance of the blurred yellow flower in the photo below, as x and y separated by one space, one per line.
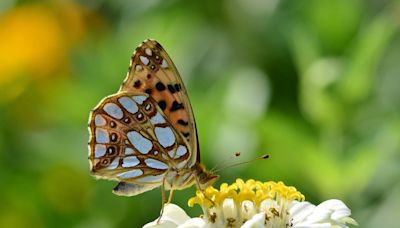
31 40
34 40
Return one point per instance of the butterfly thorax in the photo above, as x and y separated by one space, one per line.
184 178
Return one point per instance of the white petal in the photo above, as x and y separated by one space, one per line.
322 213
299 211
161 224
265 205
229 209
247 210
340 210
195 223
217 214
327 214
173 216
257 221
308 225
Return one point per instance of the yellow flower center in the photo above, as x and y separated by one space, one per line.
251 190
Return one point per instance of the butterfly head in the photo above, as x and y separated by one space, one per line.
205 177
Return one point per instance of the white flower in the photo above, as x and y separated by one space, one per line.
253 204
172 216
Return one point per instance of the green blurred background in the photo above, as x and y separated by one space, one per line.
314 83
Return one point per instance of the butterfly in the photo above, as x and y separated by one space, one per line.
144 136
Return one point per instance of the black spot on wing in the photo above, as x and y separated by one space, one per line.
137 84
177 87
162 104
171 89
176 106
160 86
182 122
158 46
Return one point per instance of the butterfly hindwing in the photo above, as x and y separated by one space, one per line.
152 71
132 140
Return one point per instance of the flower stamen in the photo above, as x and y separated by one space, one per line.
242 200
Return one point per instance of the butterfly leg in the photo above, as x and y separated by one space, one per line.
162 200
171 193
203 191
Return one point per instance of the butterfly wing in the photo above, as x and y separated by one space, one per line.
131 140
152 71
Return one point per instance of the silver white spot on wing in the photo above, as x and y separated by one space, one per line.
113 110
157 119
130 161
102 136
155 164
144 60
138 67
165 136
139 99
128 151
99 150
181 164
128 104
180 151
164 64
99 120
171 153
114 164
148 51
130 174
142 144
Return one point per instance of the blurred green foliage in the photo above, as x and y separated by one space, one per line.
315 83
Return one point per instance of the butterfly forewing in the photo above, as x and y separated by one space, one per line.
152 71
145 135
132 140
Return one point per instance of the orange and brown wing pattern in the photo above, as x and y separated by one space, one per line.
131 140
152 71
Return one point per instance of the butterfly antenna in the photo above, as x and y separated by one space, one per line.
265 156
224 162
